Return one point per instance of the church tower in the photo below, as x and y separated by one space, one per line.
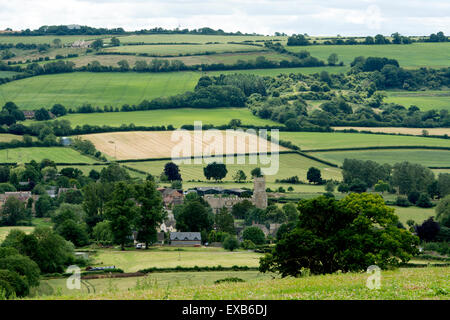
259 192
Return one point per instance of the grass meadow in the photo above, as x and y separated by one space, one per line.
429 283
412 131
57 154
429 158
7 137
425 100
97 89
413 55
175 117
336 140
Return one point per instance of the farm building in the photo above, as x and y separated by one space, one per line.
185 239
171 196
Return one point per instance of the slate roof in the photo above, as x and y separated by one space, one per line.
185 236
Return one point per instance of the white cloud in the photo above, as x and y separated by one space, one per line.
320 17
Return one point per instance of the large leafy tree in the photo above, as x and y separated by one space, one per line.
151 212
121 211
216 171
224 221
313 175
347 235
194 215
172 172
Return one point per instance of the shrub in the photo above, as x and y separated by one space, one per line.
255 235
230 243
230 279
424 201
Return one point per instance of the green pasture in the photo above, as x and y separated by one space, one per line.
430 158
175 50
413 55
336 140
57 154
288 165
400 284
167 257
417 214
155 280
425 100
97 89
175 117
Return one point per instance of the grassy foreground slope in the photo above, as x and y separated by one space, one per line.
175 117
97 89
404 284
413 55
336 140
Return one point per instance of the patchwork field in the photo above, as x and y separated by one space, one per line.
413 55
57 154
134 260
175 50
97 89
336 140
175 117
425 100
400 284
414 131
161 144
192 38
289 165
430 158
417 214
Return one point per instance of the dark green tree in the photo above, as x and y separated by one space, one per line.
216 171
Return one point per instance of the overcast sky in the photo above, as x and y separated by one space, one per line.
315 17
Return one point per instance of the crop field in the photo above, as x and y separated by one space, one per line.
175 117
430 158
97 89
175 50
289 165
413 55
336 140
192 38
57 154
155 280
417 214
413 131
167 257
425 100
401 284
160 144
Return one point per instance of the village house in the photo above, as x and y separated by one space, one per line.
21 195
186 239
171 197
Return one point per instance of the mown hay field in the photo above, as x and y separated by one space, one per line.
165 117
336 140
429 158
402 284
413 55
164 144
97 89
413 131
57 154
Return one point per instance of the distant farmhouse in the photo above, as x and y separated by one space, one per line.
81 44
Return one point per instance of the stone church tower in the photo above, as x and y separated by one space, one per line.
259 192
